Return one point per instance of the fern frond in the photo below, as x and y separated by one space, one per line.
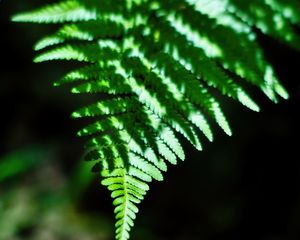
127 191
288 9
64 11
160 65
259 14
85 31
108 107
84 53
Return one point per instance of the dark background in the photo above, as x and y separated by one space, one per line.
240 187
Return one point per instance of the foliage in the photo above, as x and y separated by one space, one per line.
37 199
156 65
19 162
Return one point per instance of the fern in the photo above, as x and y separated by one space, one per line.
158 63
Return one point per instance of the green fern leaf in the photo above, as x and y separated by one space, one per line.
65 11
163 67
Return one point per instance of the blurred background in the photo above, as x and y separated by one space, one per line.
239 188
